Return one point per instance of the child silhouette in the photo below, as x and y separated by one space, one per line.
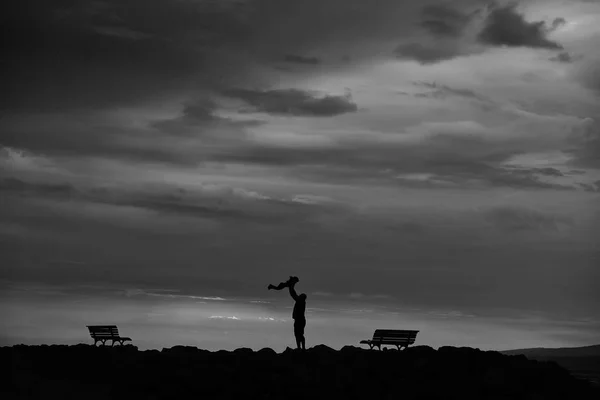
292 281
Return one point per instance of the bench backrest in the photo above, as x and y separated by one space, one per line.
102 331
395 336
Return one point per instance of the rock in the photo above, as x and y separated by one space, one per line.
81 371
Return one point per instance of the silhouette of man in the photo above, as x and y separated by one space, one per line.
298 316
299 309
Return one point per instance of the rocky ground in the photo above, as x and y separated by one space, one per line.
420 372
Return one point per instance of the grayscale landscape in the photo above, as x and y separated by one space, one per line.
394 198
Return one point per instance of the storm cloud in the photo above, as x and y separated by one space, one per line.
443 20
294 102
506 26
426 54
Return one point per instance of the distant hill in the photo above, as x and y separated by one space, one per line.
586 351
419 372
583 362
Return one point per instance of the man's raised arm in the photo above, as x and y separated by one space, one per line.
293 291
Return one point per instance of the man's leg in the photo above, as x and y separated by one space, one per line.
299 325
297 334
303 340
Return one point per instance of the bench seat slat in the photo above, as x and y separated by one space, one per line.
104 330
393 341
109 337
393 337
102 327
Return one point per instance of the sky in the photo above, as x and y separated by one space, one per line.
420 164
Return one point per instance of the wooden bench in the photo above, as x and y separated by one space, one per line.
391 337
102 333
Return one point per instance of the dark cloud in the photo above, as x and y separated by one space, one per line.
217 203
525 178
62 135
591 187
502 26
426 53
90 54
440 91
577 172
193 115
457 154
548 171
100 54
557 23
295 59
64 56
443 20
233 204
482 174
459 158
506 26
160 140
200 119
218 211
94 54
294 102
563 57
18 186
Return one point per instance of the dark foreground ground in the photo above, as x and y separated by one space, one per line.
420 372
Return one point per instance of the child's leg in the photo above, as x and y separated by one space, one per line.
282 285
